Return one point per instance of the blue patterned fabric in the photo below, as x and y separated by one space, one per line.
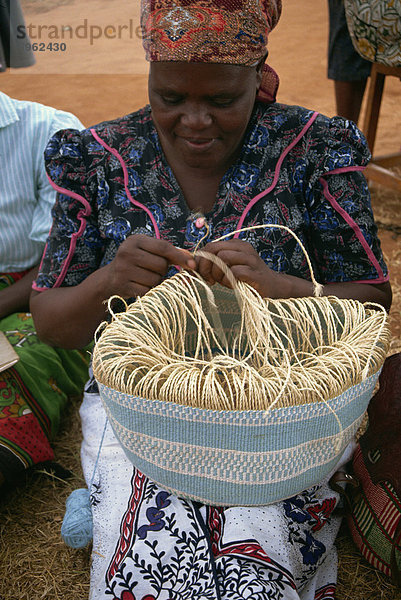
77 163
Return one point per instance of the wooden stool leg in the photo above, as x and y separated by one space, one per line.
375 94
379 170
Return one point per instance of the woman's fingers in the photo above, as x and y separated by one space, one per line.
155 255
245 265
141 263
166 250
232 253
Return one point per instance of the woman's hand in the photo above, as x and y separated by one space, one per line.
68 316
244 263
141 263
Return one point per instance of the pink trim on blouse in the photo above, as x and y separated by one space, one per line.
373 260
87 211
276 173
82 214
126 179
329 197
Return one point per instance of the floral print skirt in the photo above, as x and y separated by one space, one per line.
151 545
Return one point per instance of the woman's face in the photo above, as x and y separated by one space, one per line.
201 111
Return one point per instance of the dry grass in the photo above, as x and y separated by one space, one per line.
357 580
36 565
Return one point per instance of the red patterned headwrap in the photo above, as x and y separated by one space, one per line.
212 31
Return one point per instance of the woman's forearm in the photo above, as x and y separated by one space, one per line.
364 292
68 317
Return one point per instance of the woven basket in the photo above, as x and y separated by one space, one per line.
228 457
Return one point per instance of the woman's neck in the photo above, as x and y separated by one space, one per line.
199 187
200 193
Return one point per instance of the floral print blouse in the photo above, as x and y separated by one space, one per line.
297 168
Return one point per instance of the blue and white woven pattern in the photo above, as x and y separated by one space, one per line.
221 457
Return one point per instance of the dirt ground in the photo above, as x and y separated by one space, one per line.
100 74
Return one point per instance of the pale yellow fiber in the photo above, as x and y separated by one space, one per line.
222 349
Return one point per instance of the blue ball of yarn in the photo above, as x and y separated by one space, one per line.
77 527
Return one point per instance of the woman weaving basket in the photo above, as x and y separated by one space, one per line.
213 153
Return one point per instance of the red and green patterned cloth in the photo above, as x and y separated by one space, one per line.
33 393
374 519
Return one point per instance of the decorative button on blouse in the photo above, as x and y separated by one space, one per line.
200 222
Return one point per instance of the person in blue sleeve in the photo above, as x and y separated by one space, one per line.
33 391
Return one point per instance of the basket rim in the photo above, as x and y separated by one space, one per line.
211 411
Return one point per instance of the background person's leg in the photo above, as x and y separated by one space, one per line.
345 66
349 97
